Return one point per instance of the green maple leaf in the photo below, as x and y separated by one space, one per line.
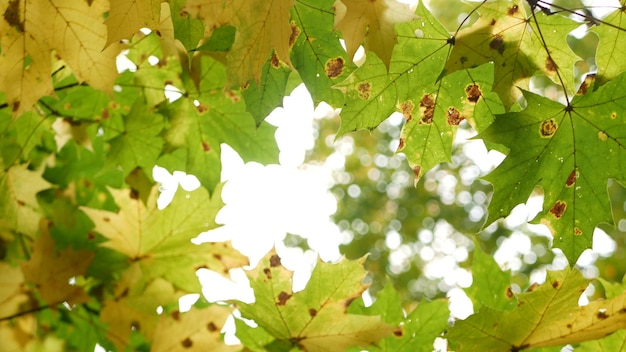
514 41
138 143
417 61
263 97
315 319
570 152
316 51
199 125
158 241
186 29
612 45
547 316
491 286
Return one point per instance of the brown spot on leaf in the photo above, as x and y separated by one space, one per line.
217 256
15 106
364 90
312 312
206 147
558 209
589 79
454 117
493 22
234 97
274 261
398 332
20 203
555 284
268 273
407 108
12 15
613 115
282 298
135 325
473 93
548 128
577 231
497 43
519 348
274 61
571 179
416 171
602 314
106 219
509 292
348 301
211 327
550 64
91 236
427 106
201 108
134 194
463 60
201 266
334 67
105 113
175 315
186 343
569 325
295 33
533 287
513 10
401 144
183 13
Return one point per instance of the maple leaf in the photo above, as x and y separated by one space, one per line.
569 151
159 240
315 319
200 329
609 55
316 52
127 17
134 307
547 316
75 30
18 202
372 21
25 64
515 42
50 270
262 27
12 289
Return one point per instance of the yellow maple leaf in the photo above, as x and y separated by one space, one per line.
159 241
76 31
128 17
25 65
11 289
199 329
134 306
50 270
18 204
372 21
262 27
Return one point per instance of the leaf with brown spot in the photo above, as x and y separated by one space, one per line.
197 330
548 316
311 317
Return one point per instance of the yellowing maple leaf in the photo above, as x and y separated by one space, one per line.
372 21
18 204
128 17
262 27
159 240
134 306
50 270
11 289
200 329
76 31
25 65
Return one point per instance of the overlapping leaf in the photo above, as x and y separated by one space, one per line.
570 152
127 17
316 319
612 45
158 241
547 316
516 43
316 52
371 22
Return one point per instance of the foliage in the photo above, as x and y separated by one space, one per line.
89 258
